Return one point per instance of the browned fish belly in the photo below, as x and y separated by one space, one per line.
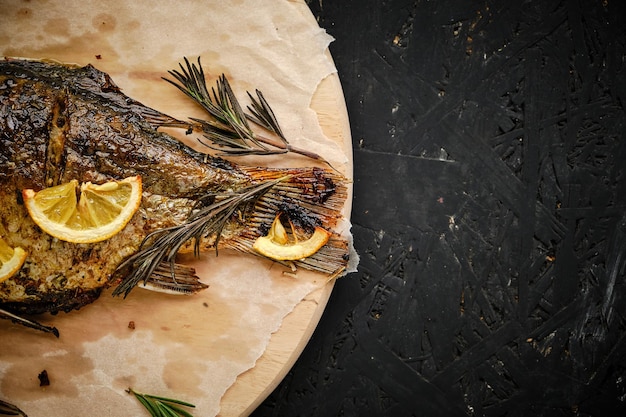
59 123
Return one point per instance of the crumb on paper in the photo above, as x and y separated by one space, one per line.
131 325
44 381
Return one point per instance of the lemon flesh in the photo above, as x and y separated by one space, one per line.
99 213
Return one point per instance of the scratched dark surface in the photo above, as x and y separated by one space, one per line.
489 213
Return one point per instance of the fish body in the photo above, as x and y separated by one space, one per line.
60 122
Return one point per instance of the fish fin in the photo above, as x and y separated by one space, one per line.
97 82
309 197
173 279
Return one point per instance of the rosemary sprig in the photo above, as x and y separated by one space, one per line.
159 406
228 128
162 245
8 409
4 314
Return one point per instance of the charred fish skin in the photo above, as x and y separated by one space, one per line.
75 121
59 123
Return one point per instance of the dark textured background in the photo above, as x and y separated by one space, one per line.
489 213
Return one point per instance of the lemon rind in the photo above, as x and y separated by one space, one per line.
11 267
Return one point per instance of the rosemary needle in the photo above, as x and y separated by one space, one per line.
159 406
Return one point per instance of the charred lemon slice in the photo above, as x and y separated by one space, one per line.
100 212
11 260
276 244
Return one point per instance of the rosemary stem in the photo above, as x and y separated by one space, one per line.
271 142
306 153
288 147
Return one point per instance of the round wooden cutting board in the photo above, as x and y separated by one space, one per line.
192 340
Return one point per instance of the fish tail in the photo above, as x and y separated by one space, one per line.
308 198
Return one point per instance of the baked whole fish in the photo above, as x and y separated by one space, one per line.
60 123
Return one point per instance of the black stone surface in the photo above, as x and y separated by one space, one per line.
489 213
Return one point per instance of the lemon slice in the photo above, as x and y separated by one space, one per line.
11 260
100 212
276 245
